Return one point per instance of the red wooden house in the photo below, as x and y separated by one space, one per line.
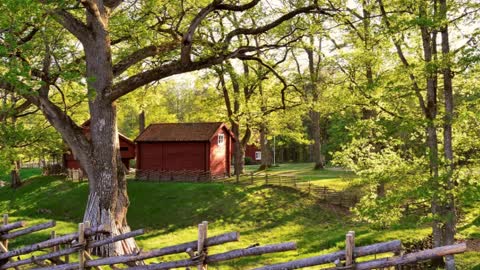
127 150
177 151
254 153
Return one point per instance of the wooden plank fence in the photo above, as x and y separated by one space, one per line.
58 249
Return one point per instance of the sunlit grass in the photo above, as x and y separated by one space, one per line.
170 213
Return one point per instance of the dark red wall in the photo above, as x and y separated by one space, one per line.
172 156
177 156
220 155
250 152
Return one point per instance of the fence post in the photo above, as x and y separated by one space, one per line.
251 177
53 235
81 241
5 222
349 247
202 251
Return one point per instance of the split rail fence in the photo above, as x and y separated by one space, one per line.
322 193
55 253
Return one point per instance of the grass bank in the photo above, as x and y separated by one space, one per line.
170 212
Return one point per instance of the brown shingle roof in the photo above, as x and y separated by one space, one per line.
170 132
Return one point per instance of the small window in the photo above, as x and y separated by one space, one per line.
123 149
258 155
221 139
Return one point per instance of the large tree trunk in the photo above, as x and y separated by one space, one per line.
449 204
16 181
429 42
318 158
238 151
266 161
108 200
141 121
313 90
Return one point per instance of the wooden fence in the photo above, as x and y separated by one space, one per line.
322 193
325 194
58 249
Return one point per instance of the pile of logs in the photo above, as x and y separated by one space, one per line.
56 251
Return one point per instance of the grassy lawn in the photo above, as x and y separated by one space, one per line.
332 177
24 174
170 212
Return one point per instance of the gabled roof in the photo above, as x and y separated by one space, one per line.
177 132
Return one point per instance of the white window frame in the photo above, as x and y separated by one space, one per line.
221 139
258 155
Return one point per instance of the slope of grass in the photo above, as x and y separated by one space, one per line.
24 174
332 177
170 211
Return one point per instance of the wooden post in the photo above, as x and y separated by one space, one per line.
86 252
67 256
202 235
81 241
349 248
4 244
52 236
5 222
266 178
251 178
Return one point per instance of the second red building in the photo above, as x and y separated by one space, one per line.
173 150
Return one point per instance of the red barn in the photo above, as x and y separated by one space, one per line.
127 150
254 153
177 151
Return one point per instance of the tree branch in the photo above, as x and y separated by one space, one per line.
73 25
142 54
112 4
284 82
237 8
405 63
187 41
128 85
267 27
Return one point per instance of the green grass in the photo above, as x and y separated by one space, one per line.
24 174
170 212
332 177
